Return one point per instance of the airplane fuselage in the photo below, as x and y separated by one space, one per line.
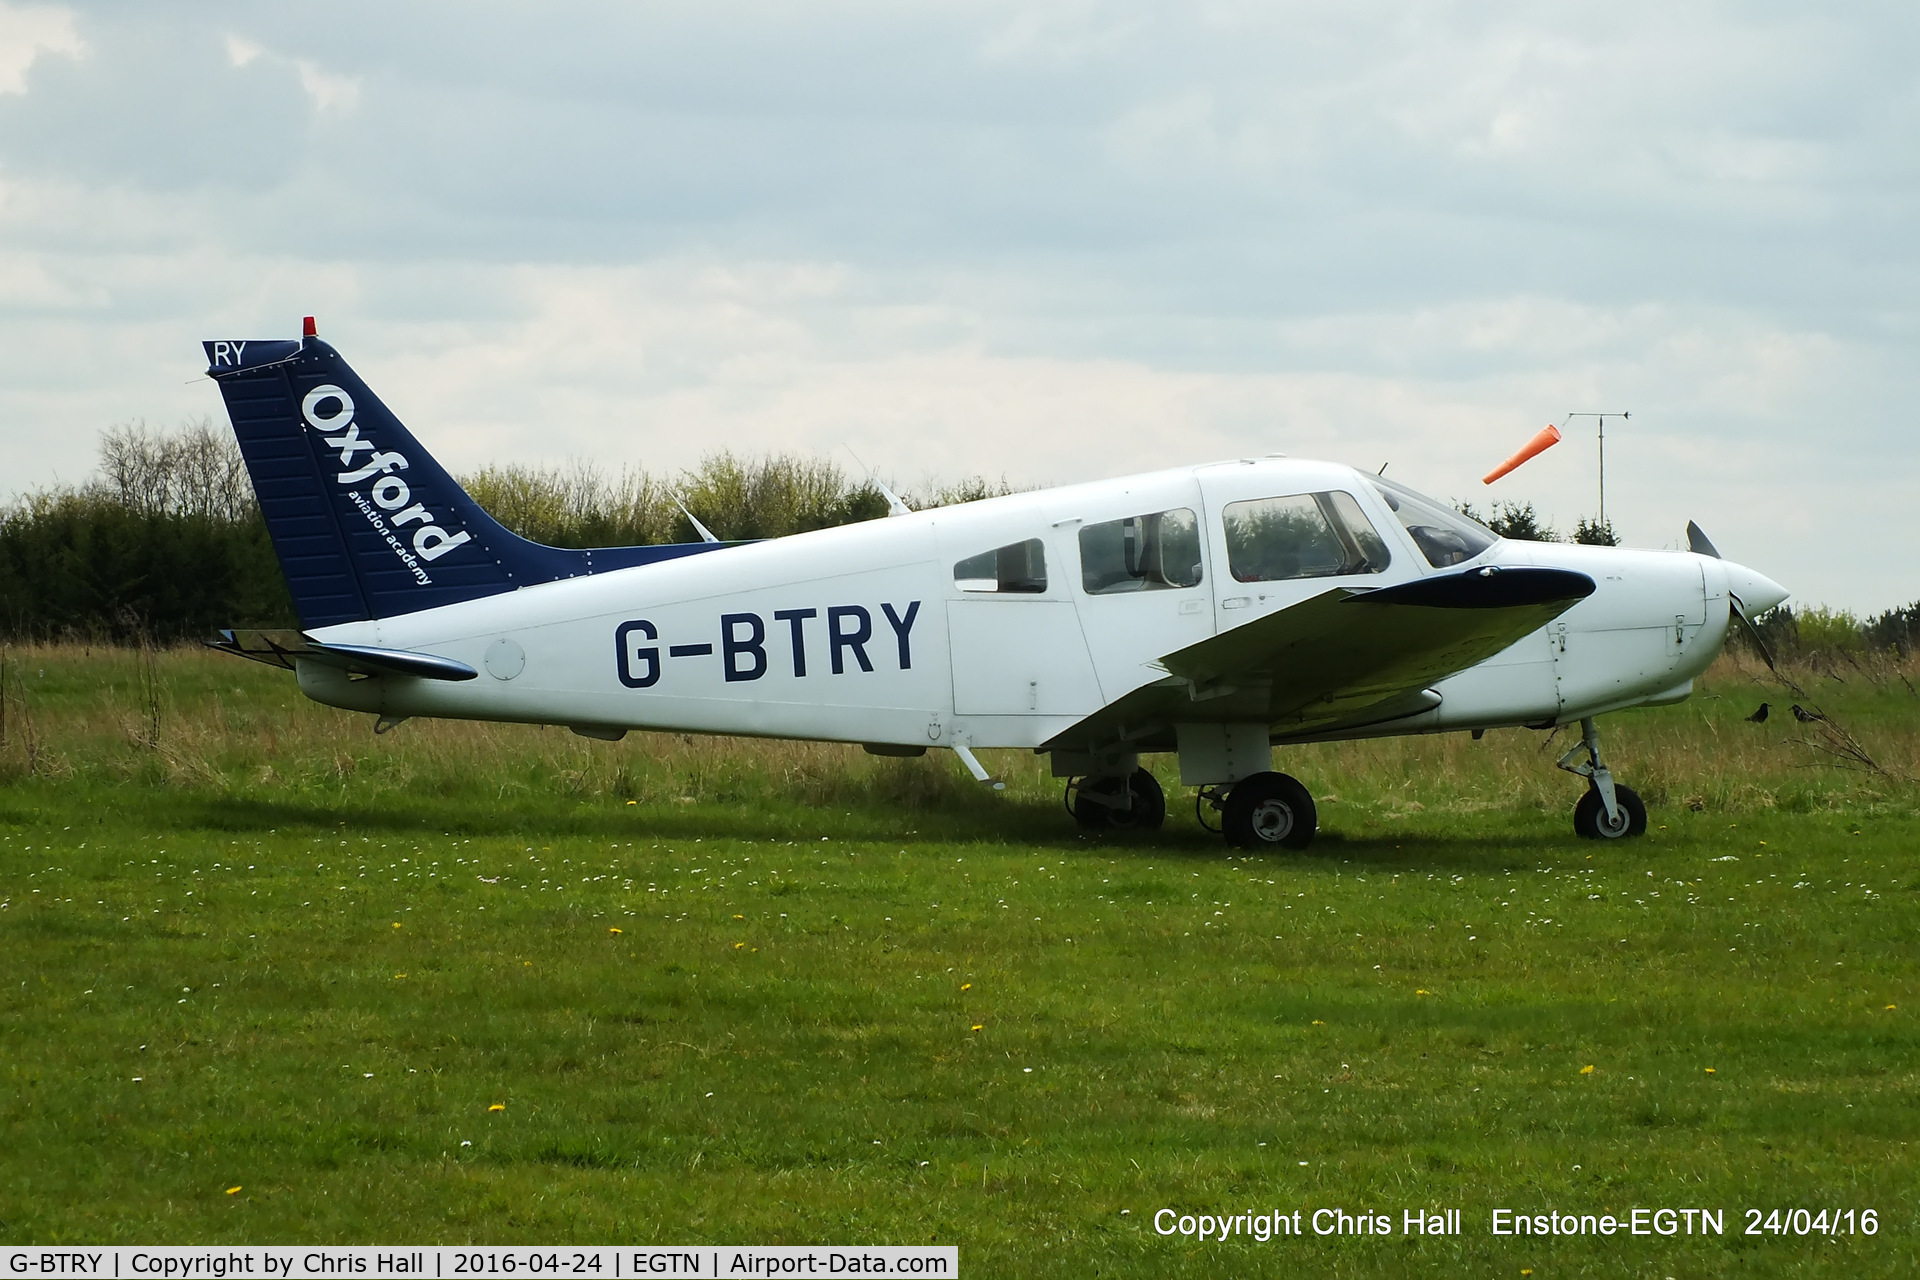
1005 622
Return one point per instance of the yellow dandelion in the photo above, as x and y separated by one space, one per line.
979 1026
399 975
396 924
968 986
1587 1070
1709 1070
739 917
498 1106
1893 1006
1318 1023
233 1191
633 802
613 930
1526 1271
738 945
1422 991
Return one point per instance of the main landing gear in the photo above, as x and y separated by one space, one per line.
1607 811
1262 811
1125 802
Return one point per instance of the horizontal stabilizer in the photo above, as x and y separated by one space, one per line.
280 648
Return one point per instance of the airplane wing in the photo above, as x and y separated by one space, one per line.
1340 659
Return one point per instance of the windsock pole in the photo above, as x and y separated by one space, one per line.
1543 440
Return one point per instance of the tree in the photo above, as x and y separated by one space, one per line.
1515 520
1593 533
1518 521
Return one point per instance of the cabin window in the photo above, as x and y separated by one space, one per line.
1306 535
1018 567
1141 553
1444 536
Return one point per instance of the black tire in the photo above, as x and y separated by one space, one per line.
1147 809
1268 811
1590 816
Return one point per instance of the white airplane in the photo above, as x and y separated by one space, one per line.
1211 611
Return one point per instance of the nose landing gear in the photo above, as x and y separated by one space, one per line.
1607 811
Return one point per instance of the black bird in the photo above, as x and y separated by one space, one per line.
1805 716
1760 716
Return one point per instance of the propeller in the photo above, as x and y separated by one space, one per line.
1701 545
1753 632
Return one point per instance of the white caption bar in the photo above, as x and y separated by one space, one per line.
454 1262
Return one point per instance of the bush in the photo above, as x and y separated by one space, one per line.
1893 631
78 564
166 542
1824 630
1819 632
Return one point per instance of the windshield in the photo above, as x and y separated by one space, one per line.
1444 536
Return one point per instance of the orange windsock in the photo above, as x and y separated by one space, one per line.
1546 439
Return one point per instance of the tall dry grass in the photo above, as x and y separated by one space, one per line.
184 718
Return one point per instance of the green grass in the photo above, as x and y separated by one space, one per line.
779 1044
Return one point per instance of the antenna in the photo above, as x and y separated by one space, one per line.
1601 422
895 507
706 534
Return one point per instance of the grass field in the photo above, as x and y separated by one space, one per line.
509 985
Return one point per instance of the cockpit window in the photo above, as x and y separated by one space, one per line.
1444 536
1019 567
1141 553
1306 535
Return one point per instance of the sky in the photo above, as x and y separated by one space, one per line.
1045 241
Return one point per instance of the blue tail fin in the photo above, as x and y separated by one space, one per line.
365 522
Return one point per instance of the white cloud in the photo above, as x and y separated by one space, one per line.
1061 33
330 93
241 51
26 32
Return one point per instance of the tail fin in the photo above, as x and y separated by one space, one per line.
365 522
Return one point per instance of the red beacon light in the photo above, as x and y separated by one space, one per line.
308 328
